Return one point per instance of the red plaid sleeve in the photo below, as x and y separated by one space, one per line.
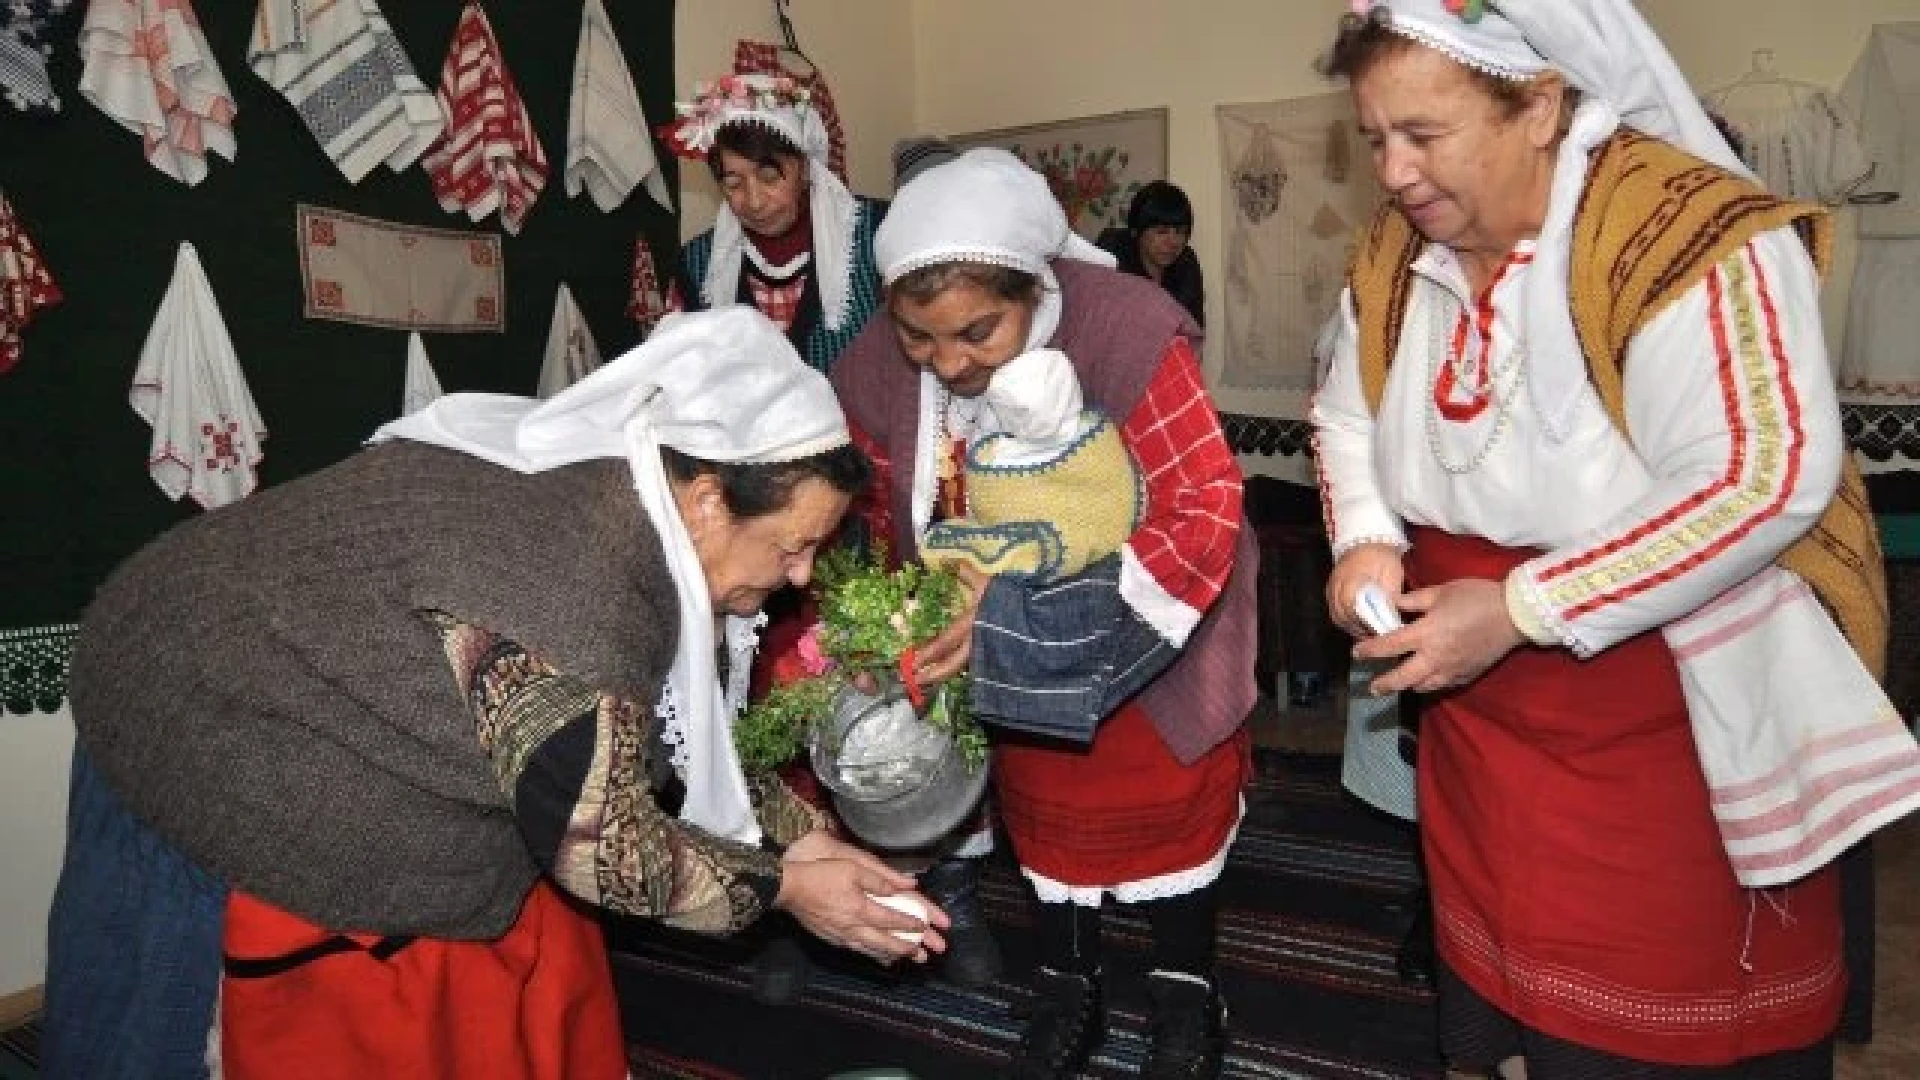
1186 542
779 302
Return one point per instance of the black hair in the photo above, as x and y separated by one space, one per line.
758 143
1363 41
1160 205
1001 282
754 489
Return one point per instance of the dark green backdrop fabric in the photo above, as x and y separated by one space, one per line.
74 493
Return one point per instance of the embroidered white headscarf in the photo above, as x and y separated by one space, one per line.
777 103
985 206
721 385
1624 75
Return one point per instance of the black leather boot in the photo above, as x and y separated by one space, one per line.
1188 1029
1065 1024
972 959
1415 961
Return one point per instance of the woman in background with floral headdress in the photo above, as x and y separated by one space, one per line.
1578 423
789 238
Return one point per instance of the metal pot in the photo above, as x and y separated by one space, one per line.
897 781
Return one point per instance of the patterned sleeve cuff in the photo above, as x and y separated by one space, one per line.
1536 621
1396 542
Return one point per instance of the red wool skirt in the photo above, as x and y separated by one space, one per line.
1122 811
299 1002
1579 883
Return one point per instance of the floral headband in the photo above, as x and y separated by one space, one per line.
725 100
1468 10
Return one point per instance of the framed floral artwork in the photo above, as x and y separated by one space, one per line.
1093 163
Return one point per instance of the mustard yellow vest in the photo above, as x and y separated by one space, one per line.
1652 222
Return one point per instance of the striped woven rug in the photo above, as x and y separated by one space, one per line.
1313 905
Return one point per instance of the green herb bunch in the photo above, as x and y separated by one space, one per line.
870 615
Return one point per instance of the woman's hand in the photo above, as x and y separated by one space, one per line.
1362 563
832 896
947 654
1463 630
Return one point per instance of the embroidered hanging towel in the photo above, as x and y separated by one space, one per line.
488 158
147 65
571 350
206 431
25 47
343 70
609 142
387 273
25 285
644 302
422 385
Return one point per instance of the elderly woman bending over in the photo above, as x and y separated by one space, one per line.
351 750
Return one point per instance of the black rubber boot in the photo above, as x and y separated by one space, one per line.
972 960
1188 1029
1064 1027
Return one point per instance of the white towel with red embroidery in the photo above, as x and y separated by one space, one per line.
25 285
571 351
341 67
645 304
422 387
609 144
206 431
148 66
489 158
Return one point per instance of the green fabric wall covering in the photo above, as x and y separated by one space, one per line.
75 497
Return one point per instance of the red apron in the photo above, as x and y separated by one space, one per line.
1124 810
302 1003
1578 879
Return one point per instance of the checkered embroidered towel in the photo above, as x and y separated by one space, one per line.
148 66
189 387
489 157
25 285
609 142
343 70
26 27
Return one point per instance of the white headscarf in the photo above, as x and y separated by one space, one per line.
1624 75
985 206
722 385
776 103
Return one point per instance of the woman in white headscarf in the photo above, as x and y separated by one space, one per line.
1118 693
362 731
1578 424
789 238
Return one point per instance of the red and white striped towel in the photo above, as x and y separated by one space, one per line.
489 157
1802 759
148 66
25 285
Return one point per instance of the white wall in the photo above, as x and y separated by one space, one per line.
994 63
865 47
35 750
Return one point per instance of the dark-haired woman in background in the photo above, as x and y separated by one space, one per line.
1154 245
789 239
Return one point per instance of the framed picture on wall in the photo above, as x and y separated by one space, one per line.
1093 163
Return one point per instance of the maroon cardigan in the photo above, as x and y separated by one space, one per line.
1117 330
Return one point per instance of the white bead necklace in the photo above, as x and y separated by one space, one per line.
1503 385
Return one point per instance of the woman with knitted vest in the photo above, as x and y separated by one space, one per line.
1579 427
1118 694
355 753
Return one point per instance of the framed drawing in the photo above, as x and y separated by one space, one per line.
1093 163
